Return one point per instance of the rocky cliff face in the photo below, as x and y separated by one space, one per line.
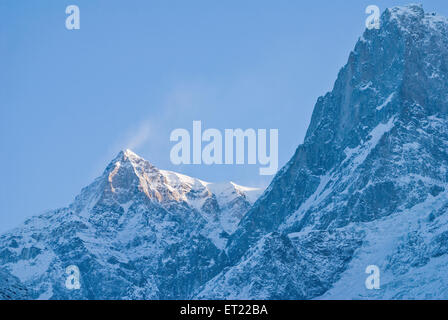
369 186
136 232
375 155
11 288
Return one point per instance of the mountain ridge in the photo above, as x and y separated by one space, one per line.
375 151
369 186
136 232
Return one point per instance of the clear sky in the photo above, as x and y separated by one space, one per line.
136 70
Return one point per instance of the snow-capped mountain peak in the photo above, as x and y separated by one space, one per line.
367 184
133 224
413 14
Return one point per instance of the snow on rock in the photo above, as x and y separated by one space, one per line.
365 188
136 232
369 186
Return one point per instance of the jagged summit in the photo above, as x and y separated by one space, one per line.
131 178
369 186
374 158
127 155
410 21
135 232
130 153
414 10
414 14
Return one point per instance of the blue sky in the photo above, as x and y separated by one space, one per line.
136 70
